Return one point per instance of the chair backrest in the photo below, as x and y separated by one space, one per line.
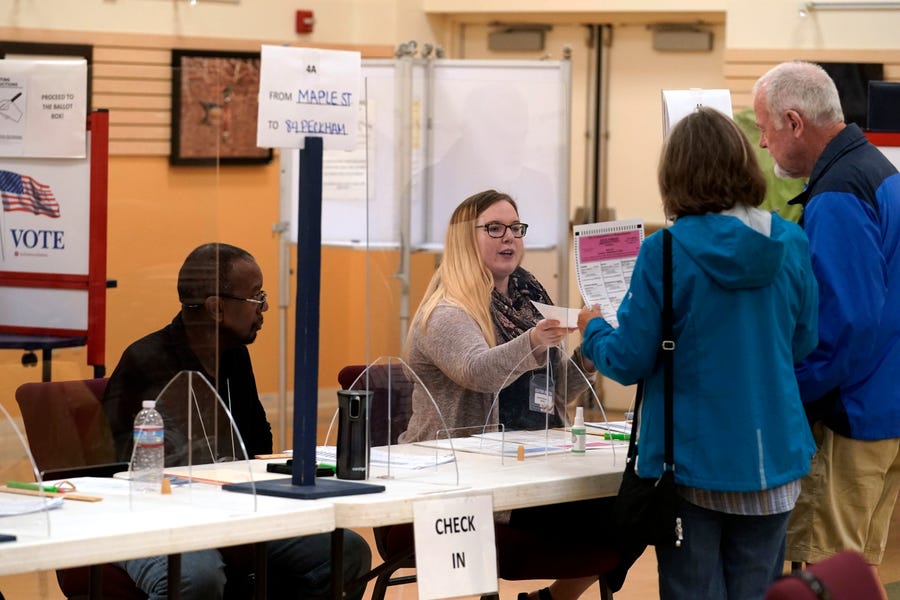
65 423
844 576
67 429
391 398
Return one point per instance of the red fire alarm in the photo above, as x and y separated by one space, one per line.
305 21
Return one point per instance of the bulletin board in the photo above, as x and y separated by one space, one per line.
53 259
439 132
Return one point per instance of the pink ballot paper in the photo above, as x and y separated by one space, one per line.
604 259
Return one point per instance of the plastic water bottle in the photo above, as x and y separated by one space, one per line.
148 457
579 432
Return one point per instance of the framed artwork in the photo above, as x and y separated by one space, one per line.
215 101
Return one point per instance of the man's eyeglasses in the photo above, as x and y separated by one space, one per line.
260 298
498 230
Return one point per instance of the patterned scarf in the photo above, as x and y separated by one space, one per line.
514 314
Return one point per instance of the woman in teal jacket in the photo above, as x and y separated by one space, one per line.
745 306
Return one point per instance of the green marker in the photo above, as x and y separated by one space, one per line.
616 436
19 485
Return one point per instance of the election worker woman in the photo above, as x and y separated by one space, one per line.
476 331
745 311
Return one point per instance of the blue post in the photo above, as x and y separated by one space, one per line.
306 329
303 482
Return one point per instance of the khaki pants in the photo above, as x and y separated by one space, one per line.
847 500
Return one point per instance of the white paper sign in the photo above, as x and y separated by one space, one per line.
43 108
455 551
305 92
677 104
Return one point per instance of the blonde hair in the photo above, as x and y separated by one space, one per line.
462 278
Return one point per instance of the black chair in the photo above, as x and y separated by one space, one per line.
516 557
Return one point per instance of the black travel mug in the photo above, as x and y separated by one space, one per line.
352 437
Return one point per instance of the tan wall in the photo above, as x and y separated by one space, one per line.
337 21
777 24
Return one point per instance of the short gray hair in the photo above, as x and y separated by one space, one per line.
804 87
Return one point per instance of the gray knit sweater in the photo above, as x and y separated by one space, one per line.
463 374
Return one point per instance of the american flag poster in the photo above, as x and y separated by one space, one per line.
44 229
24 193
45 216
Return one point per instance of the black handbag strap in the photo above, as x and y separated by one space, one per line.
668 352
668 348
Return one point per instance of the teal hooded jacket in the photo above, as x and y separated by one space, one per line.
745 308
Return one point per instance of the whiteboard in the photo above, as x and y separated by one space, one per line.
471 125
500 125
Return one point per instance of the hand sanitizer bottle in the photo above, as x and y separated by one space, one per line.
578 431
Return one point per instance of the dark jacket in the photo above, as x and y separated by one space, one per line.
146 368
851 213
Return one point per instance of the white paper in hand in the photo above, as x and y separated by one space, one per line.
567 317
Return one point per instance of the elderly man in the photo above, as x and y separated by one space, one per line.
851 213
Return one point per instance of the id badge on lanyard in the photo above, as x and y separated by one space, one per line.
541 393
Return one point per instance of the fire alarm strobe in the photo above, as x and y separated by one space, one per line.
305 21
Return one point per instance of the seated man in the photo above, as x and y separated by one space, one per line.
222 306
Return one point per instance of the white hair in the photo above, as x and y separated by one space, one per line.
804 87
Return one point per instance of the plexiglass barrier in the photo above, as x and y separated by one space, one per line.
536 408
203 444
25 501
388 386
532 413
198 177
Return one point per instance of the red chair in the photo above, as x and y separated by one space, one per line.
845 576
389 414
66 427
68 430
516 557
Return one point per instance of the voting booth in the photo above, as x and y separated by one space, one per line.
53 226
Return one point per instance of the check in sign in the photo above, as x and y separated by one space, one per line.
455 551
305 92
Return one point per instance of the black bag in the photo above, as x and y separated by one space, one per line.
646 509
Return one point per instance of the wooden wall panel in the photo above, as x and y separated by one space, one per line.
139 117
743 67
132 78
131 71
138 148
125 102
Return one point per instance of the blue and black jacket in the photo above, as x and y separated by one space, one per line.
851 215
